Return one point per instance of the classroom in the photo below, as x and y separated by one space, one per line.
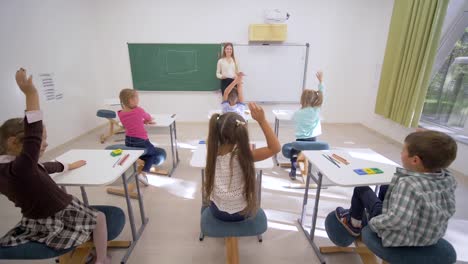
234 132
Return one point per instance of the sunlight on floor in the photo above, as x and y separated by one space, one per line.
177 187
284 227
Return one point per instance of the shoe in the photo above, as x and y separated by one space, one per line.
344 217
292 175
143 179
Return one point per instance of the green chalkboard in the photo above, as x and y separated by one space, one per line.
174 67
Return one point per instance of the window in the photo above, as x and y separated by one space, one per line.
446 104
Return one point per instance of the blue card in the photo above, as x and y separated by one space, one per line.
360 172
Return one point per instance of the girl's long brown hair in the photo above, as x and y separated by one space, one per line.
224 52
224 129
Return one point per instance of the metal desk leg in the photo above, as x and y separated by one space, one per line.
304 202
172 151
276 133
259 183
310 236
135 234
204 202
144 219
175 137
84 195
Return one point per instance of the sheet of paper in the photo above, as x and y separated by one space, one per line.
48 88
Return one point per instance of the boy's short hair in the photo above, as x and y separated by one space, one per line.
436 150
233 95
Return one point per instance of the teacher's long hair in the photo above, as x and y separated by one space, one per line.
224 51
231 128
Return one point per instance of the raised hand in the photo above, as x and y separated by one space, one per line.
257 112
24 82
319 75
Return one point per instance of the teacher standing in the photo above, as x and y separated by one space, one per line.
227 68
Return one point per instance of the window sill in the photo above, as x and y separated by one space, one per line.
456 134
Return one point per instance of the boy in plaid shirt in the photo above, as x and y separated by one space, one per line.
415 208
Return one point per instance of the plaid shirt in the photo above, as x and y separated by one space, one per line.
416 209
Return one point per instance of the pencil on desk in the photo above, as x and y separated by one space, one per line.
113 166
331 160
340 159
335 160
124 159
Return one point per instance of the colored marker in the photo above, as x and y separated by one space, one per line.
124 159
340 159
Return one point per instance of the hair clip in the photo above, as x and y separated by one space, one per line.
239 123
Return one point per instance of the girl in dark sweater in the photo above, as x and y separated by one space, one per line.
50 215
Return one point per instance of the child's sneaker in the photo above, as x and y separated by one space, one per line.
143 179
344 217
292 174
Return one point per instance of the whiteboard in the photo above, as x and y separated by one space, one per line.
274 73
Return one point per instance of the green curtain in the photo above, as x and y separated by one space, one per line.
412 44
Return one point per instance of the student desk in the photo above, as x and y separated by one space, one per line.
328 174
100 171
199 161
167 120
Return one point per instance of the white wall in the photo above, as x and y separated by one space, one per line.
51 36
346 42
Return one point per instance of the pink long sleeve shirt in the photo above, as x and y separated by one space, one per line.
134 122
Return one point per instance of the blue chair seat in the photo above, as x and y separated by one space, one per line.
336 231
303 145
213 227
440 253
104 113
115 219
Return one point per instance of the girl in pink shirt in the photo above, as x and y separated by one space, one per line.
134 118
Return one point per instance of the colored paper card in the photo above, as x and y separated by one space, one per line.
201 142
377 170
369 171
360 172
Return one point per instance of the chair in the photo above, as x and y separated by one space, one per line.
110 116
301 160
369 245
115 219
440 253
213 227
